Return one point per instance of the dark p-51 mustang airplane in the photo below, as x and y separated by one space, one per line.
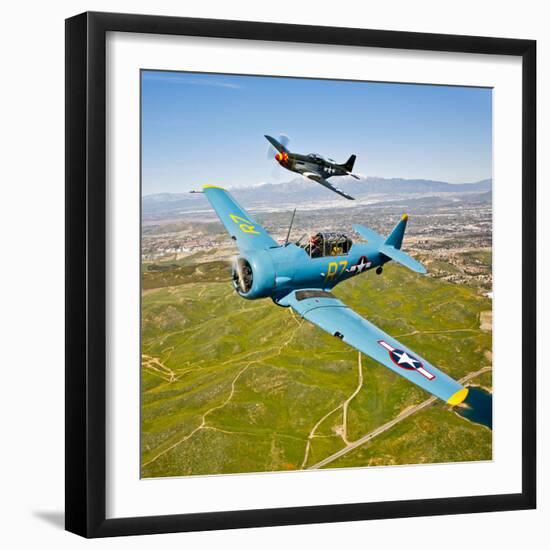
313 166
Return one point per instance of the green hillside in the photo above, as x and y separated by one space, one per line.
435 434
230 385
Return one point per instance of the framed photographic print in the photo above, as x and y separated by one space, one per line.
300 264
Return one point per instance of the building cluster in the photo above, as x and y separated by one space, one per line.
442 237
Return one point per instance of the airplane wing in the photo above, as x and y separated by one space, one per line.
317 178
248 234
279 146
327 312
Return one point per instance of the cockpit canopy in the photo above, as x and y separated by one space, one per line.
327 244
315 156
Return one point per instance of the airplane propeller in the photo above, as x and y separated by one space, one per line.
240 275
271 152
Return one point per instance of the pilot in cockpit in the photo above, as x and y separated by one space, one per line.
315 246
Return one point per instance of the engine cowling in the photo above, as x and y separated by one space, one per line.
254 275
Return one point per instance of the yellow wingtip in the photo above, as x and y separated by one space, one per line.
211 187
405 217
458 397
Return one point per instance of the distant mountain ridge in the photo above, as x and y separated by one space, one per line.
300 189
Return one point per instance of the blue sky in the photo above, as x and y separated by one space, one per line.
208 129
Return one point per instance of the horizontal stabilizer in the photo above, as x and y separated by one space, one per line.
369 235
402 258
391 245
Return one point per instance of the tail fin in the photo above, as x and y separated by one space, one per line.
395 238
348 165
391 247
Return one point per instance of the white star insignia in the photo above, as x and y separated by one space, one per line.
407 359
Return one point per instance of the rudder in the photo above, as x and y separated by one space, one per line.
348 165
395 238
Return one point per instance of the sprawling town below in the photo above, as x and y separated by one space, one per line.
450 233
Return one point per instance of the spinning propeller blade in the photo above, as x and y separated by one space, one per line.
271 151
284 140
240 275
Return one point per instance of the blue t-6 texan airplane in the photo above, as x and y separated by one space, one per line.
301 276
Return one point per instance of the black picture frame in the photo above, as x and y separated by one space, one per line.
86 279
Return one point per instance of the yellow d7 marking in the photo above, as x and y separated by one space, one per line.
332 270
244 225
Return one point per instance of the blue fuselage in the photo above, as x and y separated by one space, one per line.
280 270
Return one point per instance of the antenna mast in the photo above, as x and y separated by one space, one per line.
290 227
